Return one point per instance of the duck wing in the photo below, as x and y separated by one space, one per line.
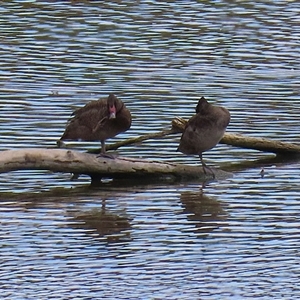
84 121
93 115
200 134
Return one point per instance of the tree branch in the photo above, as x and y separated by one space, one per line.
237 140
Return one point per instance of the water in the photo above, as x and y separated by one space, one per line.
238 237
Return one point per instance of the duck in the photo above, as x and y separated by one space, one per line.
98 120
204 130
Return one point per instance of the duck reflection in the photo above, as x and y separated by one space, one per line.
203 211
103 223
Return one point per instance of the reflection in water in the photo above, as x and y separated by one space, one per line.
159 57
202 210
103 222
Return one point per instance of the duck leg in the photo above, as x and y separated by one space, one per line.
103 151
206 167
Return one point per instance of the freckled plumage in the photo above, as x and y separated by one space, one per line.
98 120
204 130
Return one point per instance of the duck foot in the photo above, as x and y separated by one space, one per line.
205 167
106 155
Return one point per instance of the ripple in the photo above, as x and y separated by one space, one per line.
234 238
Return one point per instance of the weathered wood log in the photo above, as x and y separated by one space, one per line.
63 160
237 140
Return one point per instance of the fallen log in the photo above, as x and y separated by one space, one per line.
71 161
64 160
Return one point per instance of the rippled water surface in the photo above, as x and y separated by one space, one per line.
237 237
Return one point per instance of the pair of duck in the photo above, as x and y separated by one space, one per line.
105 118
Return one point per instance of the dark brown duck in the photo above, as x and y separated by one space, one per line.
98 120
204 130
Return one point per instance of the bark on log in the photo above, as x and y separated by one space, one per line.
63 160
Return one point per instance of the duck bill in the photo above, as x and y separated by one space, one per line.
112 112
112 115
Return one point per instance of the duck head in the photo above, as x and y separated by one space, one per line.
111 106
